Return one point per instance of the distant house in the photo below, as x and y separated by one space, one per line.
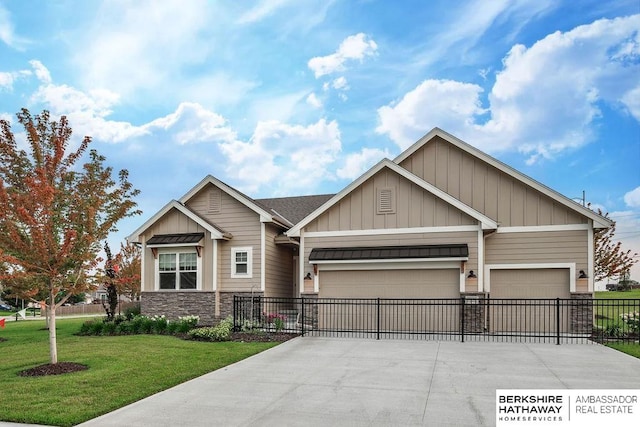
441 220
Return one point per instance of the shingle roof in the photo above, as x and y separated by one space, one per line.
293 209
389 252
172 239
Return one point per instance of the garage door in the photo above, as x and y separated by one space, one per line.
417 283
530 316
410 316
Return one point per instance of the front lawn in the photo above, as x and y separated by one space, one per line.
122 370
632 349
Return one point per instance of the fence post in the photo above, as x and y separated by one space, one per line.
378 318
234 312
302 317
557 321
462 317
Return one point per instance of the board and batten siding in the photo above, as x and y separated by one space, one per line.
243 224
279 266
176 222
414 207
470 238
538 248
485 188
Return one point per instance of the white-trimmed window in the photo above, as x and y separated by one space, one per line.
178 269
241 263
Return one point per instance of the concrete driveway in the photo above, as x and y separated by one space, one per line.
360 382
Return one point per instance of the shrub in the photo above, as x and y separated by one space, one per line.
132 311
109 328
159 325
632 320
221 332
614 330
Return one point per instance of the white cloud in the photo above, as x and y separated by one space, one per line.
289 158
631 100
340 83
263 9
42 73
355 47
313 100
632 199
545 99
7 31
356 164
443 103
192 123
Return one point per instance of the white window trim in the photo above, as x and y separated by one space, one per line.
249 251
177 250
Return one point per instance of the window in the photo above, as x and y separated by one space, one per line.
241 265
178 270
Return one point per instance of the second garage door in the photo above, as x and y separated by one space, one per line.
531 316
409 316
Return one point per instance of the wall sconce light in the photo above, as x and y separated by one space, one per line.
582 275
471 275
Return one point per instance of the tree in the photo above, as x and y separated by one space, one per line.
128 262
54 211
110 270
610 259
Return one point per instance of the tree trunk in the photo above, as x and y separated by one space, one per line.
53 342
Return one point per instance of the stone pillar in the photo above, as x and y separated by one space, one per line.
474 312
581 313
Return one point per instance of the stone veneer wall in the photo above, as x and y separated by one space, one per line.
474 312
582 313
175 304
310 319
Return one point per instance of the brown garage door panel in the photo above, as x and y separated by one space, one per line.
411 284
390 284
531 317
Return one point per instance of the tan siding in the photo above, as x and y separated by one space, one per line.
244 224
470 238
485 188
415 207
279 267
539 247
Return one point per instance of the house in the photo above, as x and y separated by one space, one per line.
441 220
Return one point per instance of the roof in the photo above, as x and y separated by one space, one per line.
598 220
294 209
389 252
173 239
262 211
216 232
487 223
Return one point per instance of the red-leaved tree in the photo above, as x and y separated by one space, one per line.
55 209
610 259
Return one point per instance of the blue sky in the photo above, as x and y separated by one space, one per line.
286 97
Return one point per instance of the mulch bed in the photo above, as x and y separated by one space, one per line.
261 337
53 369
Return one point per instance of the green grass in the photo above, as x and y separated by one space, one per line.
608 314
629 348
122 370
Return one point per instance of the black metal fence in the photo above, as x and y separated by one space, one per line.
476 318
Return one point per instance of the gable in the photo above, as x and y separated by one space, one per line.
215 205
173 222
488 188
388 200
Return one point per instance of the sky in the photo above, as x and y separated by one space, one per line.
288 97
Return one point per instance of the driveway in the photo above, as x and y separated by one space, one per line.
360 382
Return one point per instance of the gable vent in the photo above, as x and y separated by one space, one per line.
215 201
386 201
